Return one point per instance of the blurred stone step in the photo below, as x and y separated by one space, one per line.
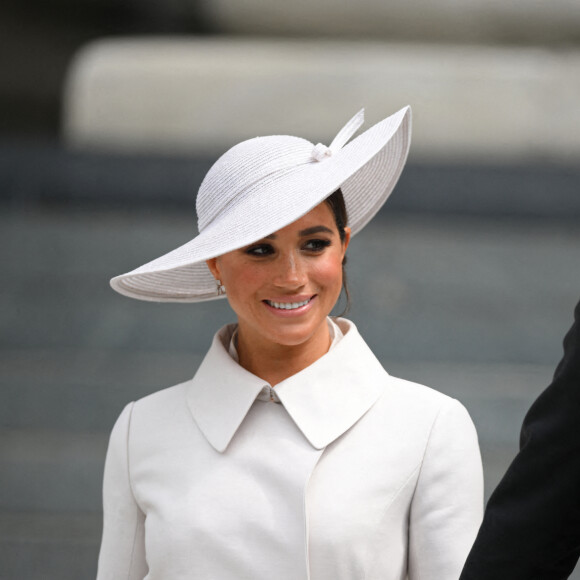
49 545
447 289
83 390
68 413
139 182
534 21
52 546
202 95
49 462
79 487
51 470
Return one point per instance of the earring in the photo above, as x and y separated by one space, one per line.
221 289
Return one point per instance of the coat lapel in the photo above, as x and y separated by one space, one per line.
330 396
221 393
324 400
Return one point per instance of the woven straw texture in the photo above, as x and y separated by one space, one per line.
262 185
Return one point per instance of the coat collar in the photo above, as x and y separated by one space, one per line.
324 400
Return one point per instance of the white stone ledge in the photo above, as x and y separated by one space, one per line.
535 21
201 96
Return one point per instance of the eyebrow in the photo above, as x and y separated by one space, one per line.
306 232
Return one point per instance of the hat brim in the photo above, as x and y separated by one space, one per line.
366 169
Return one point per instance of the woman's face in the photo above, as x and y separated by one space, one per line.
283 287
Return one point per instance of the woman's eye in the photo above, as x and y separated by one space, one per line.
260 250
316 245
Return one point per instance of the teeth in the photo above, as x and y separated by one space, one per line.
287 305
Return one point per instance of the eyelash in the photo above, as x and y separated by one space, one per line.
261 250
319 244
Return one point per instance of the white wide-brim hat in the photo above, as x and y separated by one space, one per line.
261 185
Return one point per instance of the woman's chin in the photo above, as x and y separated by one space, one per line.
295 333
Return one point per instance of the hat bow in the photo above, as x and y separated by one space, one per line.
321 151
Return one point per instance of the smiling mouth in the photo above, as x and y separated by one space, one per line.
288 305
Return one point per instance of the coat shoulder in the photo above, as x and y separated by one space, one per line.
161 406
418 395
412 405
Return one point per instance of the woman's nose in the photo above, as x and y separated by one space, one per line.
290 271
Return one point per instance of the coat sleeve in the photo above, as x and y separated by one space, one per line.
447 506
122 555
531 527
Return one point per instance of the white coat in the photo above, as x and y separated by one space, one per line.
341 473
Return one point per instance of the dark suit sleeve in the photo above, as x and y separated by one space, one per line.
531 526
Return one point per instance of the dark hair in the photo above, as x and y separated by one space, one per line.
336 203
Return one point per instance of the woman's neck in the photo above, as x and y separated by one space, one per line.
275 362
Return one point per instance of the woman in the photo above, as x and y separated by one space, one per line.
291 453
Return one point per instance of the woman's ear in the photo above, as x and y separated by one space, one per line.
346 241
212 264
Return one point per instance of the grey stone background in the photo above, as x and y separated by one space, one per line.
466 281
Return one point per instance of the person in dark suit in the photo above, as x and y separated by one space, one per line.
531 527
